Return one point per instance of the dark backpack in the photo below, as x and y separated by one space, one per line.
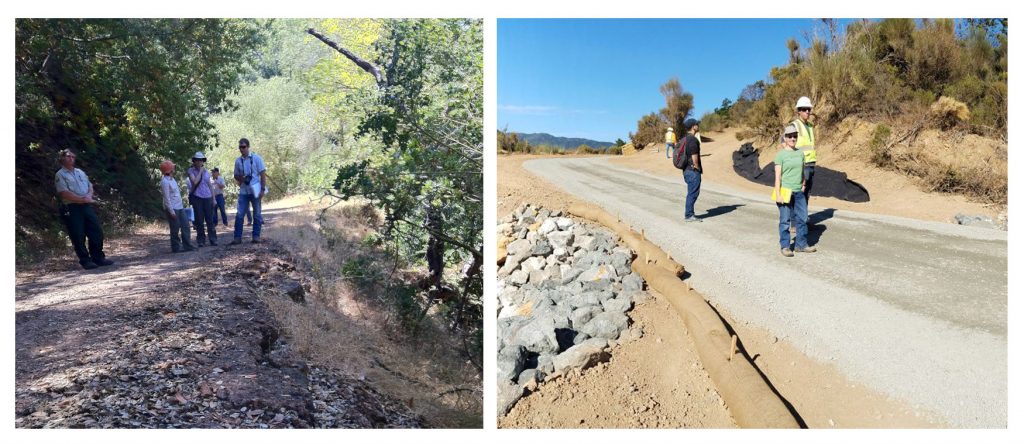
679 157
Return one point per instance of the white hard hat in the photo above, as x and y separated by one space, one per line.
198 155
804 102
670 128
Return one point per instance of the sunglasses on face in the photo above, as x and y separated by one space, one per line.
242 146
804 110
791 136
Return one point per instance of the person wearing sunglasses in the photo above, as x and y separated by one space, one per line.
788 193
805 143
75 195
251 175
200 196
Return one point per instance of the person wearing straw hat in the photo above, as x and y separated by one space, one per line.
200 196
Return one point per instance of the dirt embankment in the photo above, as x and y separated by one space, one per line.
658 381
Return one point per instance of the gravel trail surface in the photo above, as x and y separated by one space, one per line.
913 309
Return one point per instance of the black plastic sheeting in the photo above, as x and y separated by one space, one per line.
827 183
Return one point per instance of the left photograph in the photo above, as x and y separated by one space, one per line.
248 223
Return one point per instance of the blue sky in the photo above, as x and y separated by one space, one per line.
595 78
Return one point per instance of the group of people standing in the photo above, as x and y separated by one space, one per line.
794 174
205 197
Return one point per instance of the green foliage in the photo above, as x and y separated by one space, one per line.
619 143
879 145
123 93
427 113
712 121
512 143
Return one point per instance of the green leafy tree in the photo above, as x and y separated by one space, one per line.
124 94
427 111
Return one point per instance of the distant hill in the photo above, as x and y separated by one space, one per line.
536 139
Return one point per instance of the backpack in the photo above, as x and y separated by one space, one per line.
679 157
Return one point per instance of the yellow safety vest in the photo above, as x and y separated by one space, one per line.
670 137
805 140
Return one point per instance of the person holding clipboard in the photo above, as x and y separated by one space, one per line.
788 193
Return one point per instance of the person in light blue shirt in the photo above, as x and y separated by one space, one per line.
251 175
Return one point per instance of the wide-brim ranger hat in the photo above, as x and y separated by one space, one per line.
790 129
199 156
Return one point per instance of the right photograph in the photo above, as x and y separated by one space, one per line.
752 223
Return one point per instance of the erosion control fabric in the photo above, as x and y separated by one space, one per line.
827 183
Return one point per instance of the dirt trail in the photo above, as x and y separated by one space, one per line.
818 387
171 340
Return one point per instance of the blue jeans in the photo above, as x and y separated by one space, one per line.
692 179
220 208
668 150
809 179
244 200
795 210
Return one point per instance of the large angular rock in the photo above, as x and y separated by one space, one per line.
560 239
518 277
509 393
548 226
606 325
580 316
632 282
617 305
537 336
621 263
541 248
518 247
564 223
533 264
583 355
511 361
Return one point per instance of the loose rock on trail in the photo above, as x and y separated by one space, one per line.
184 340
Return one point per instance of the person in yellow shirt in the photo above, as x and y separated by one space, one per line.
670 143
805 143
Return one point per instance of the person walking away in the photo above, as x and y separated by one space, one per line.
805 143
692 170
200 196
177 218
250 173
670 143
75 193
217 185
788 193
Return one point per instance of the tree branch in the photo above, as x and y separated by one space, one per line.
366 66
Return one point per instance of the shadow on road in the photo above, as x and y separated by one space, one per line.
719 210
814 227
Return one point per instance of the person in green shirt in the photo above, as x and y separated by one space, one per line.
789 193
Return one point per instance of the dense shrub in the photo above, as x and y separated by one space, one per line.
887 69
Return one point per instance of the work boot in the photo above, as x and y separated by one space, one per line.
806 250
104 262
89 265
236 241
787 252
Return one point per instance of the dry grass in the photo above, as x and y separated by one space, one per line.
351 327
944 161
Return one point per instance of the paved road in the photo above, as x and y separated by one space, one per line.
914 309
